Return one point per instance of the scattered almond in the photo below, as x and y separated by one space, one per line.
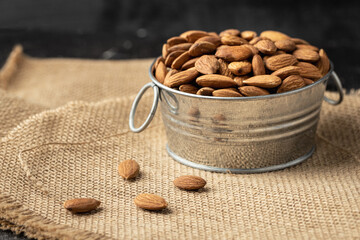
150 202
81 205
188 182
129 169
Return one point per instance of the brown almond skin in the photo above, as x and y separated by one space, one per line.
189 64
253 49
205 91
81 205
286 45
306 55
324 63
248 35
172 56
159 59
181 78
240 68
266 46
307 46
188 88
274 35
233 32
258 66
160 72
216 40
207 64
308 70
255 40
264 81
308 81
299 41
193 35
176 40
215 81
170 73
233 53
232 40
291 83
223 69
129 169
165 50
251 91
180 60
240 80
276 62
189 182
226 93
286 71
201 48
181 46
150 202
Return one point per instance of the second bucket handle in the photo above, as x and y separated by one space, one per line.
135 104
339 89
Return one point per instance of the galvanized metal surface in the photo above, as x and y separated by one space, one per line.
241 135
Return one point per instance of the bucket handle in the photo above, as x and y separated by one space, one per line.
339 89
135 104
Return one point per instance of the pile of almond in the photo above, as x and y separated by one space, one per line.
237 64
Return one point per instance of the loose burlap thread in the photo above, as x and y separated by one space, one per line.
64 131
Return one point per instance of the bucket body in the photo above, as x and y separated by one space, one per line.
241 135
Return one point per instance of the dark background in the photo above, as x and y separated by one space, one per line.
114 29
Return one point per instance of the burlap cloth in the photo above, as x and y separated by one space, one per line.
64 129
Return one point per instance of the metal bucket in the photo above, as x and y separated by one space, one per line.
239 134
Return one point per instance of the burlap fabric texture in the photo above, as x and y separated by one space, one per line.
64 130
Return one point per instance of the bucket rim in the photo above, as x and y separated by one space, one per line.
277 95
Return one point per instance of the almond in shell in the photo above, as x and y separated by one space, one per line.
129 169
181 78
215 81
200 48
207 64
150 202
291 83
258 66
264 81
233 53
240 68
189 182
81 205
251 91
276 62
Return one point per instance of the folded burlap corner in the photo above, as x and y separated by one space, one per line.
64 131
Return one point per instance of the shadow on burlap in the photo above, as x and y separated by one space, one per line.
64 130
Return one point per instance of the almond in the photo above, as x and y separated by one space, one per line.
181 46
266 46
81 205
216 40
291 83
299 41
215 81
129 169
276 62
306 55
265 81
248 35
172 56
150 201
287 71
274 35
250 91
176 40
240 80
188 182
255 40
233 40
207 64
160 72
287 45
188 88
223 69
189 64
324 63
165 50
258 65
253 49
170 73
240 68
233 53
159 59
226 93
307 46
308 81
193 35
307 70
233 32
205 91
180 60
200 48
181 78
